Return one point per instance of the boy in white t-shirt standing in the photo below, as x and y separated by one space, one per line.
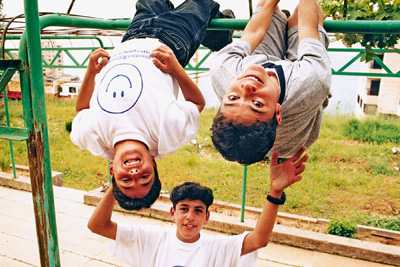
185 246
128 110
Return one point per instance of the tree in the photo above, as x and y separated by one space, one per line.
364 10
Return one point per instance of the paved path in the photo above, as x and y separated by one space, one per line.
79 247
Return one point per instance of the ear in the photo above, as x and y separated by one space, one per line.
172 213
111 168
154 162
278 113
207 217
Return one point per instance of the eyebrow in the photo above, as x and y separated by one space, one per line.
196 207
235 104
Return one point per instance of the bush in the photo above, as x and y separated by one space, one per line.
372 131
342 228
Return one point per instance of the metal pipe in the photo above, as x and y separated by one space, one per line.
244 184
38 145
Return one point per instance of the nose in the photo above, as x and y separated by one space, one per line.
134 171
190 215
248 87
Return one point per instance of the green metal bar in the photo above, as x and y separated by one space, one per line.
38 146
80 22
380 63
13 133
368 74
349 63
10 142
243 193
72 58
55 57
5 78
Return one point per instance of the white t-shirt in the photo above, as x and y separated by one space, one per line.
154 246
134 100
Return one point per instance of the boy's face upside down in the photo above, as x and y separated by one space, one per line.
133 168
252 96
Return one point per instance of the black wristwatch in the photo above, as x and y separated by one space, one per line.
277 201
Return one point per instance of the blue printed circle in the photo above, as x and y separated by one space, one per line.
120 88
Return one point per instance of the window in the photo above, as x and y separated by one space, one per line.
375 64
374 87
72 90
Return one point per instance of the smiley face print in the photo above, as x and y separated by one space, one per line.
120 88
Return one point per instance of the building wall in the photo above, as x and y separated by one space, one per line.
387 101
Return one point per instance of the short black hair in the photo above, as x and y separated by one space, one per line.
138 203
192 191
246 144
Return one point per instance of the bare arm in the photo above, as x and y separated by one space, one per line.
100 223
94 67
282 176
258 25
165 60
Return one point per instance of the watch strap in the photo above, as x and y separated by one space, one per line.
277 201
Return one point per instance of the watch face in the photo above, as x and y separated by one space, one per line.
120 88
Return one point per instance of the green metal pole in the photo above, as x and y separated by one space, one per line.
8 124
243 193
38 146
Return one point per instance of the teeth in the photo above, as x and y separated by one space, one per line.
254 78
132 162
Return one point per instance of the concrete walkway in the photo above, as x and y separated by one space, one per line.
79 247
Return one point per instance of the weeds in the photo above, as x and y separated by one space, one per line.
340 181
5 162
343 228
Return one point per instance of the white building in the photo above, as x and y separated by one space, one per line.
378 95
69 89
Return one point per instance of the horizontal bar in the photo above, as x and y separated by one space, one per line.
13 133
355 26
11 64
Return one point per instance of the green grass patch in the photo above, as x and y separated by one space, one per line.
346 176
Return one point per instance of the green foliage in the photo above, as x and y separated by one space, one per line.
5 162
380 221
341 178
343 228
364 10
68 126
374 131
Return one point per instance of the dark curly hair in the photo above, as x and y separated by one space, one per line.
138 203
246 144
192 191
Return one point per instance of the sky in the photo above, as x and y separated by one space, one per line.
122 8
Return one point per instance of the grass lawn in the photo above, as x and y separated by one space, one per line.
345 178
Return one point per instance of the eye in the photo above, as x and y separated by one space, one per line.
233 97
199 210
145 176
257 103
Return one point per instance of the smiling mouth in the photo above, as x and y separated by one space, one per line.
132 162
189 226
253 77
